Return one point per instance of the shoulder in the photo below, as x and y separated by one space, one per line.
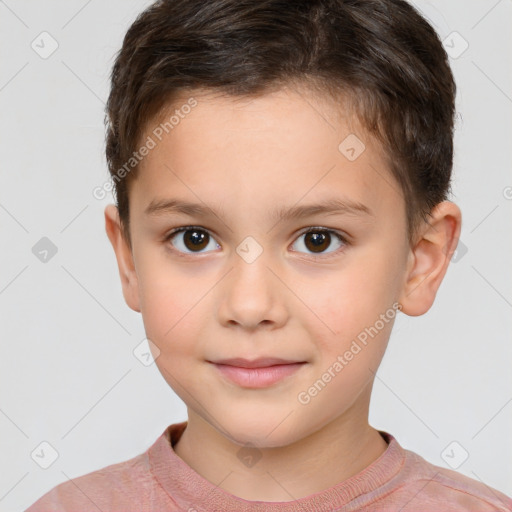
421 485
110 488
128 486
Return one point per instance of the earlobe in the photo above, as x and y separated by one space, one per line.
124 257
430 257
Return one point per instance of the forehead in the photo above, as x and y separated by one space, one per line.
250 152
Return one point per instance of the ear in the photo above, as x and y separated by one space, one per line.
429 258
124 257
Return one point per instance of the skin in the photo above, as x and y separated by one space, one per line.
247 156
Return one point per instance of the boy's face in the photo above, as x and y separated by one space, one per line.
209 294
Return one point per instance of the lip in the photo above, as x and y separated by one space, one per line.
257 373
260 362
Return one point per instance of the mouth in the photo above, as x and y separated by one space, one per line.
256 373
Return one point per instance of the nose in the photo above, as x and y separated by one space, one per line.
251 296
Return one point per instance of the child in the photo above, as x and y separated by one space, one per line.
281 173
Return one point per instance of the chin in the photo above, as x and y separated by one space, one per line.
262 430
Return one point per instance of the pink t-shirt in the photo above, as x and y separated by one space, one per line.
159 481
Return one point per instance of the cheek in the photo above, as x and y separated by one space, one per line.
349 299
350 307
168 302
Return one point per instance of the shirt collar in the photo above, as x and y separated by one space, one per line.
193 492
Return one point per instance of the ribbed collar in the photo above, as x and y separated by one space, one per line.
193 492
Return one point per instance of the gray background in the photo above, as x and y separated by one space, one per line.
68 373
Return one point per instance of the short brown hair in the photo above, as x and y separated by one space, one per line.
381 53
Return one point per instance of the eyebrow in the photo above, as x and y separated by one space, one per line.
332 206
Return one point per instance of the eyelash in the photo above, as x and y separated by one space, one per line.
314 229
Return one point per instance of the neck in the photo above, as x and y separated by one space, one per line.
331 455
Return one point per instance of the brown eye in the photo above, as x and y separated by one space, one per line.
190 240
317 242
320 241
